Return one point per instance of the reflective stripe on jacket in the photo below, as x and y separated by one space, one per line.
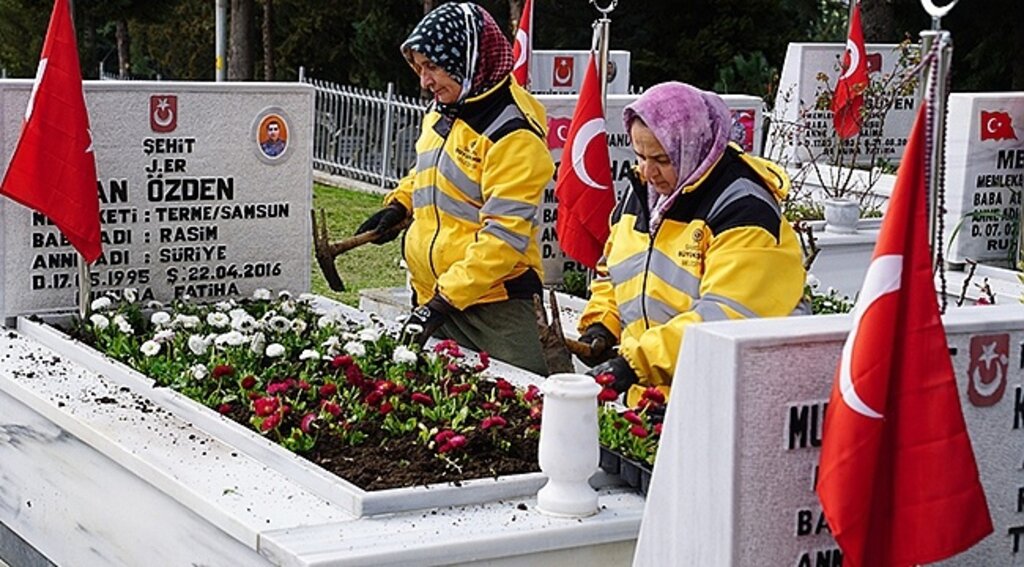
475 193
723 251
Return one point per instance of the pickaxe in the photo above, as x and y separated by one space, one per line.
326 252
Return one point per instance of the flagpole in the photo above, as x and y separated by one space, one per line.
601 29
84 288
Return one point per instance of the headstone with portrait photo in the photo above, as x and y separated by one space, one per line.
205 191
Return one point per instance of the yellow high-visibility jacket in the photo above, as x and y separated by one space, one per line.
722 251
474 195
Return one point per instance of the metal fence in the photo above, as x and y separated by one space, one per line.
365 135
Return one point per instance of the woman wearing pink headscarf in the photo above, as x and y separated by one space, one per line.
700 236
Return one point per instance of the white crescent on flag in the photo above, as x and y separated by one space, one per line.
588 132
40 71
883 277
855 57
522 41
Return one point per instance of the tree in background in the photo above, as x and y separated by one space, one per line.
240 41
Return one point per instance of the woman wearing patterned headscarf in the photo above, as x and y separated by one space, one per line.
699 237
481 167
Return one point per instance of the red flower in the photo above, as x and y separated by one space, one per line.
654 395
282 387
657 429
532 393
453 368
224 409
632 417
343 361
638 431
605 379
385 386
304 386
493 421
503 384
449 347
328 390
331 408
421 398
249 382
354 376
453 443
307 422
222 370
444 435
536 412
374 398
386 408
490 406
607 395
485 362
456 389
266 406
271 422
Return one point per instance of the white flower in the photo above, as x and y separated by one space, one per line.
284 294
288 307
413 329
231 338
150 348
403 354
369 335
275 350
198 345
199 371
154 304
186 321
130 294
237 313
99 321
224 305
123 325
218 320
100 304
244 324
261 294
813 281
299 326
355 348
258 343
279 324
331 345
309 354
163 335
349 336
160 318
325 321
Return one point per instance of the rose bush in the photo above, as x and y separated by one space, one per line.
339 392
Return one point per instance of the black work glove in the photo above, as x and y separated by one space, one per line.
426 319
383 221
624 375
601 341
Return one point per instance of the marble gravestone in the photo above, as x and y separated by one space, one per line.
205 192
738 460
746 129
984 176
799 131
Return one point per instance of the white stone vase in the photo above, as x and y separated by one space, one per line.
841 215
568 451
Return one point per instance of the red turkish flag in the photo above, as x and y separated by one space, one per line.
584 189
523 47
853 80
898 481
53 169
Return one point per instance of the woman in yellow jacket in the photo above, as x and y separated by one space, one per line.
700 236
481 167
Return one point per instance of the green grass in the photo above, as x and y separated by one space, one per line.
361 268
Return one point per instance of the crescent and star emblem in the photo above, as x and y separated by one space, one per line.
937 11
584 136
991 125
521 41
560 78
854 55
883 277
163 115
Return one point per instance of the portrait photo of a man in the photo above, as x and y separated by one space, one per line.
274 136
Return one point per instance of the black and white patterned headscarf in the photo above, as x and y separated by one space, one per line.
463 39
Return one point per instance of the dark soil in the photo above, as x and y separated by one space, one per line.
383 462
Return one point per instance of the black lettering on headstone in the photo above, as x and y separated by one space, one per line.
1020 499
1018 408
1016 532
1010 159
805 425
803 522
804 561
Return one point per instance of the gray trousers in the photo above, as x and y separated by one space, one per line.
506 330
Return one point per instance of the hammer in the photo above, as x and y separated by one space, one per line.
326 252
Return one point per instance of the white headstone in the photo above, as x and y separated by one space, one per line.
799 131
747 126
198 197
561 71
734 479
984 176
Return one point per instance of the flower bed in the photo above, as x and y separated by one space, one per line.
350 397
629 438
